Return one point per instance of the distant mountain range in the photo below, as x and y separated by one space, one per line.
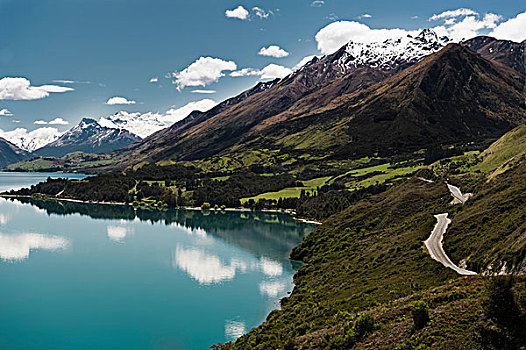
9 153
89 137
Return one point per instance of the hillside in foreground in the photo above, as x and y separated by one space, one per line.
370 259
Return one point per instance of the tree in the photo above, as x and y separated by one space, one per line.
420 314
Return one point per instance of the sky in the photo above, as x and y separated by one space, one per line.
62 60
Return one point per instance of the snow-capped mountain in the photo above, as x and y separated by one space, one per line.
9 153
31 140
90 137
367 63
391 53
145 124
140 124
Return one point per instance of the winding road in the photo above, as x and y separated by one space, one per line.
457 194
434 242
434 245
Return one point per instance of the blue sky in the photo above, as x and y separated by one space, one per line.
114 47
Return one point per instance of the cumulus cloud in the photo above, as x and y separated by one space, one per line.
200 91
317 3
154 80
468 27
174 115
4 112
273 51
245 72
117 100
202 72
260 13
453 13
31 140
303 62
56 121
512 29
331 37
21 89
239 12
271 71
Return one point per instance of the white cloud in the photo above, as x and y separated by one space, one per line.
239 12
262 14
453 13
15 121
245 72
21 89
512 29
468 27
64 81
202 72
333 36
145 124
303 62
273 71
200 91
4 112
117 100
414 17
365 15
273 51
31 140
56 121
154 80
174 115
317 3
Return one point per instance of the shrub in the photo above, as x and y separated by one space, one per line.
364 325
420 314
205 206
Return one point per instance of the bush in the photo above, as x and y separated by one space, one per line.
205 206
364 325
420 314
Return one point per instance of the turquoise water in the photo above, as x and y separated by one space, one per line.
84 276
15 181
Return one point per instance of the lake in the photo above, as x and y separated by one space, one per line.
88 276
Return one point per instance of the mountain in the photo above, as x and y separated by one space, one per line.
90 137
505 52
9 153
342 107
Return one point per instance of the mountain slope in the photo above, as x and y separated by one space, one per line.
451 96
9 153
505 52
370 258
90 137
354 66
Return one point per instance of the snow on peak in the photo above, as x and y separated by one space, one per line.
391 53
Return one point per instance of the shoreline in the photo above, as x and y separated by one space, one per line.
72 200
